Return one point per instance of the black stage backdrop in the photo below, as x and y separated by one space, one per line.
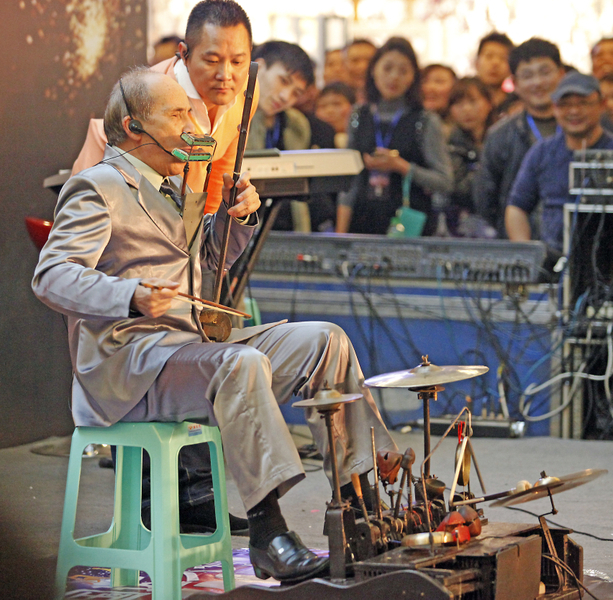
60 59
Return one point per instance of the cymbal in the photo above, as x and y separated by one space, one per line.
327 398
553 485
425 375
421 540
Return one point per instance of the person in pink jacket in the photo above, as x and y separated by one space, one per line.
212 68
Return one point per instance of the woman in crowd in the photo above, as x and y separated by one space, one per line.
436 83
402 146
471 108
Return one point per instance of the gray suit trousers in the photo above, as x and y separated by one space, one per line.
239 387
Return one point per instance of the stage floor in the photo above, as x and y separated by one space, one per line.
32 492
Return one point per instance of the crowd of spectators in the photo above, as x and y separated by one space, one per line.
470 153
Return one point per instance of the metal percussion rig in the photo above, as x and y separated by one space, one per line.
441 549
428 547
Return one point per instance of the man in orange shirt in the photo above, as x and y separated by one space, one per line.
212 68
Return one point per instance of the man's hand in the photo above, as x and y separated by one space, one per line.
247 198
153 302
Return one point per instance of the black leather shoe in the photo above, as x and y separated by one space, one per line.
287 559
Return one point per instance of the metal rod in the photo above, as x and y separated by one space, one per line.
427 457
425 396
252 254
378 510
552 548
332 448
400 490
486 498
459 466
184 184
209 167
410 492
357 486
474 459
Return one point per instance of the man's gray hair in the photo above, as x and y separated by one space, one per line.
135 101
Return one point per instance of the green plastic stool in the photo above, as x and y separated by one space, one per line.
128 546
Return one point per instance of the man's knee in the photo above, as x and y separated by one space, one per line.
327 333
336 339
245 363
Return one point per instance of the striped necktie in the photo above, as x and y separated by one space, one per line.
167 190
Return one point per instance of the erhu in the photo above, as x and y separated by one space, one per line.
216 324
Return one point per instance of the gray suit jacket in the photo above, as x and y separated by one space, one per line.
112 229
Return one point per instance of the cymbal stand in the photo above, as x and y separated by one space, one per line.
466 443
335 524
425 394
549 540
426 462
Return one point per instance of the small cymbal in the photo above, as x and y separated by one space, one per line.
552 485
425 375
327 398
422 540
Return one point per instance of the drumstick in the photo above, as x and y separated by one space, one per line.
195 301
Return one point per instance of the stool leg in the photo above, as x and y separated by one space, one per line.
221 512
66 551
127 525
167 575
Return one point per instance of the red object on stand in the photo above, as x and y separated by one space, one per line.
38 229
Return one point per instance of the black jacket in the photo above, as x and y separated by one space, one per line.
374 217
505 146
464 154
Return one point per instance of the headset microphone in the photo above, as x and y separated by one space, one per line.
169 152
135 126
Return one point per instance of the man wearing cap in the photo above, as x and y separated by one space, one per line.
543 176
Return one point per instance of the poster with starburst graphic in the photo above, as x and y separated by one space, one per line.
59 61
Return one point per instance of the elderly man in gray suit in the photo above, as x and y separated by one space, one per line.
139 355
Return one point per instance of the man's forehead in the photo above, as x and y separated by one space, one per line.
495 48
297 80
537 61
360 49
280 69
604 46
332 97
168 94
214 38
